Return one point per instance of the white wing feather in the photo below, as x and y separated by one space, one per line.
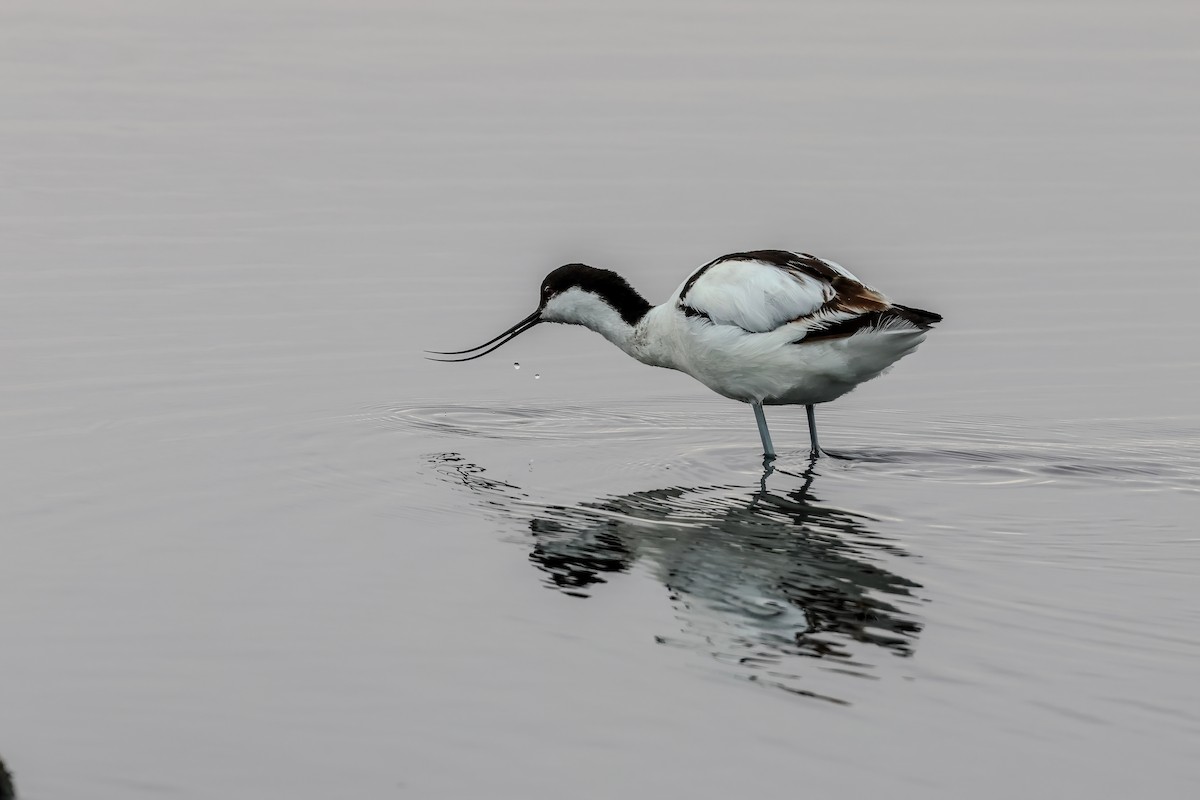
755 295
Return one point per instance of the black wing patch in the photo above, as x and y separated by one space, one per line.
783 259
919 319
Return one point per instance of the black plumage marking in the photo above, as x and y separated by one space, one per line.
785 259
779 258
919 317
7 792
604 283
688 311
922 320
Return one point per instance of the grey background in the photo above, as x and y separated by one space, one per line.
245 549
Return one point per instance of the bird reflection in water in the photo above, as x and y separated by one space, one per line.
7 792
759 579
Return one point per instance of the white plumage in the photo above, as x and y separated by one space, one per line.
757 295
765 327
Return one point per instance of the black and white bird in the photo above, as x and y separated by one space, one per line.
766 327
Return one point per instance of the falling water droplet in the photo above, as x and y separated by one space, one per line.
516 365
537 377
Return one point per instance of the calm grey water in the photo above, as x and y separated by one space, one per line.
252 545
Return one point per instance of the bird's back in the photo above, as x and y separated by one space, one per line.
781 327
762 290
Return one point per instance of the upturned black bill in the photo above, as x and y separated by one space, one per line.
503 339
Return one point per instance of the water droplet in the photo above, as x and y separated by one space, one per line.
516 365
537 377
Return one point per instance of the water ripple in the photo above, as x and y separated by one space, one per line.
780 586
570 423
711 438
767 583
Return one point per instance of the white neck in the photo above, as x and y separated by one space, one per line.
577 307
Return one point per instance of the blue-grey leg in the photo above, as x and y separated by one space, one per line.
812 431
768 448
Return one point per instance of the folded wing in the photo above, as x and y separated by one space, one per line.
761 290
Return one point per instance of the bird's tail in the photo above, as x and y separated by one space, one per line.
919 317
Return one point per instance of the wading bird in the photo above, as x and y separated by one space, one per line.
766 327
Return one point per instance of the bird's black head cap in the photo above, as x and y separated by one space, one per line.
604 283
